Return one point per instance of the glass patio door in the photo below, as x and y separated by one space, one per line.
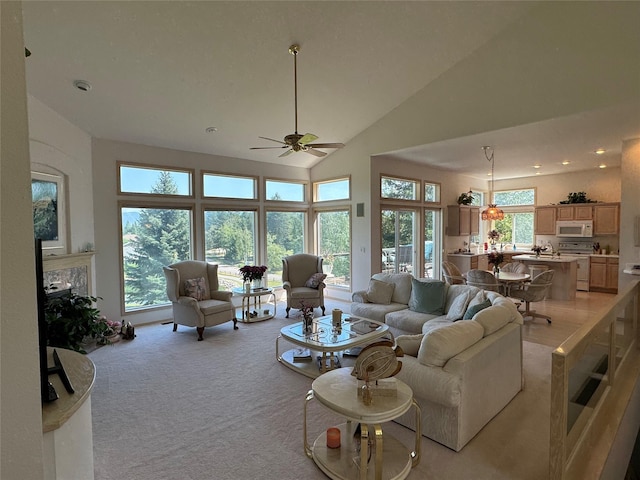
399 235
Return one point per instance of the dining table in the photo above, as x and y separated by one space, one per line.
508 279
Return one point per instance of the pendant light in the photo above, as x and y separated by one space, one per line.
492 212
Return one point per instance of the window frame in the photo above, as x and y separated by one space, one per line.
59 246
133 203
256 186
317 183
305 191
418 193
438 186
161 168
316 239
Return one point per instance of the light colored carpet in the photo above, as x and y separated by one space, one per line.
168 407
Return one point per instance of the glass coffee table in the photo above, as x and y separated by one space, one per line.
326 347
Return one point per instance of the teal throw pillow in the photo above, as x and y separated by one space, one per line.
428 297
473 309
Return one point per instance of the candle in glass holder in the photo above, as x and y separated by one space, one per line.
333 437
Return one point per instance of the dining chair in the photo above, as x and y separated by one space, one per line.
514 267
452 274
535 291
483 279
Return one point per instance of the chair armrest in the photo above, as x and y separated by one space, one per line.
222 295
360 296
188 302
286 285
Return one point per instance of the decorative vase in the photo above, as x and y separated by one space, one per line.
247 287
367 395
307 322
496 270
537 254
257 283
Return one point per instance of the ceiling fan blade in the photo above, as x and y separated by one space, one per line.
265 148
325 145
288 152
307 138
273 140
315 152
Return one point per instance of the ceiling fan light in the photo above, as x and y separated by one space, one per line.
492 212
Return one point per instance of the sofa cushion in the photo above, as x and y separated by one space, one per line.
473 309
315 280
493 319
441 344
380 292
375 311
408 321
197 288
478 298
410 344
427 296
402 282
458 306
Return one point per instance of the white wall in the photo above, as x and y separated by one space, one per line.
106 154
56 143
20 407
629 208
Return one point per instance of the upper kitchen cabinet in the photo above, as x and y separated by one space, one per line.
606 219
463 220
574 212
545 220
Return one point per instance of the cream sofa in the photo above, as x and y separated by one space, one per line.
462 373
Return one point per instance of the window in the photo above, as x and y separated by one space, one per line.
331 190
229 186
398 188
334 246
155 181
432 192
49 218
517 226
515 197
152 237
398 239
285 191
285 236
231 242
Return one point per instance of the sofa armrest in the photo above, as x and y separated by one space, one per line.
222 295
360 296
286 286
188 302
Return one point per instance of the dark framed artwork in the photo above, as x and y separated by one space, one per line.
49 219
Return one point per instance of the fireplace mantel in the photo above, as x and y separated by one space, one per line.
69 271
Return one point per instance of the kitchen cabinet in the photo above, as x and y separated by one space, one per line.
464 262
606 219
574 212
545 220
603 274
463 220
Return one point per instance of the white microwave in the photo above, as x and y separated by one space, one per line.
574 228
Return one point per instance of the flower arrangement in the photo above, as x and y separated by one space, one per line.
537 249
495 258
252 272
493 235
109 328
306 310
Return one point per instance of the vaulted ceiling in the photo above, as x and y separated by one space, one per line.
162 73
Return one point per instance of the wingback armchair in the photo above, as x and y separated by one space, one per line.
297 271
192 287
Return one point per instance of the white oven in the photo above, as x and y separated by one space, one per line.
581 251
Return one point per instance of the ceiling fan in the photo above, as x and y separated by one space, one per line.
296 142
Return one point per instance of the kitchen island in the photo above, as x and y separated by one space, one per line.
565 277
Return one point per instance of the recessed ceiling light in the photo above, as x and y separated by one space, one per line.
538 173
211 129
537 165
82 85
566 162
602 165
600 151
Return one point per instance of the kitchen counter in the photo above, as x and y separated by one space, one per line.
613 255
565 277
545 258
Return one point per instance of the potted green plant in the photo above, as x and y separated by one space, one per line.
73 319
465 198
